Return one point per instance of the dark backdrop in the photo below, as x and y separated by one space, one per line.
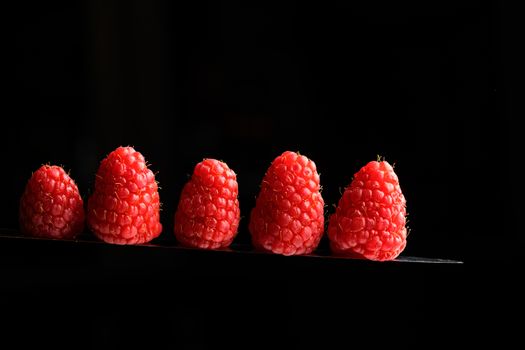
424 84
420 84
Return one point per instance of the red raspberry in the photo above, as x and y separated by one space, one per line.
124 209
370 218
51 205
288 217
208 213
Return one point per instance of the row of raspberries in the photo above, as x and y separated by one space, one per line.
288 217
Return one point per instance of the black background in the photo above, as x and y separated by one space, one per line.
427 85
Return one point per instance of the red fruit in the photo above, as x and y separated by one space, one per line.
369 220
51 205
124 209
208 213
288 217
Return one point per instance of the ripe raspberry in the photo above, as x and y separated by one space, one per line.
288 217
208 213
124 209
370 218
51 205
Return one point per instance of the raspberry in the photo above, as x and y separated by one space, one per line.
369 220
208 213
288 217
124 209
51 205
